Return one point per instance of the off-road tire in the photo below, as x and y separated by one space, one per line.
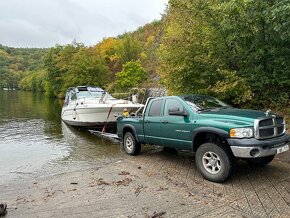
260 161
130 145
214 162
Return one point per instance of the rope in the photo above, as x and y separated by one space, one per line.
104 128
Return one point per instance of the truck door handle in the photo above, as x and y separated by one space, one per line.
164 121
147 121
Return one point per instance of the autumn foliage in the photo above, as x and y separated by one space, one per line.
237 50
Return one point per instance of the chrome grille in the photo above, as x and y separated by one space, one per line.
268 122
269 127
266 132
279 120
280 129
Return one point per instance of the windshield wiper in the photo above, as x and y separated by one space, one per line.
204 109
213 108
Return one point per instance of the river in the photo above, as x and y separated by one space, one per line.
35 142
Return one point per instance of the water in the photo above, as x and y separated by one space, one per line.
34 141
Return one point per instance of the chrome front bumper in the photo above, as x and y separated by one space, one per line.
253 148
254 152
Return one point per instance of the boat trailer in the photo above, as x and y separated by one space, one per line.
106 135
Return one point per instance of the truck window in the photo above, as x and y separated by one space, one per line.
172 104
155 108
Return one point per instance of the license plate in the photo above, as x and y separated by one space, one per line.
283 149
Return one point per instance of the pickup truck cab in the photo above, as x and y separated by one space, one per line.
215 131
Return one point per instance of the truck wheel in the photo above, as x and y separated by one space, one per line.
214 162
131 146
260 161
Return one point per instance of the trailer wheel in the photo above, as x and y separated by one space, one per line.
131 146
214 162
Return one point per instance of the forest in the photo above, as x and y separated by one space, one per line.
16 63
237 50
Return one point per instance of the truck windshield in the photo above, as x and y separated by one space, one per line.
204 102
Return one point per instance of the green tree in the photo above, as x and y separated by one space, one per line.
14 62
74 65
246 38
86 68
33 81
57 62
108 51
129 49
132 75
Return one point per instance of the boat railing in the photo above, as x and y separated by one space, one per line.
136 95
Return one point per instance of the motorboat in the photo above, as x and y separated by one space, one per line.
94 108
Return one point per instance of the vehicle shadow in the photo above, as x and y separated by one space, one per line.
181 164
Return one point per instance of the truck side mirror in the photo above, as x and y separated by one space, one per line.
176 112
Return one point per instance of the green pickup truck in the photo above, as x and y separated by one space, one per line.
217 133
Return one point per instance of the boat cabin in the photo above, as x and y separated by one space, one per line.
74 93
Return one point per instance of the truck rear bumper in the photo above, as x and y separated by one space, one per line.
253 148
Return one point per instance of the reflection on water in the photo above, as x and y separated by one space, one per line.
33 139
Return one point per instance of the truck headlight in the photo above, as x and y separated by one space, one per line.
242 133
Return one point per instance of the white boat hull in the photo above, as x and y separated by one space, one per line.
95 116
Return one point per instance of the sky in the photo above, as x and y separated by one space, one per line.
44 23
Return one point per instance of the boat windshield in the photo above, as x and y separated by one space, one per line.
84 94
204 102
97 94
89 94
